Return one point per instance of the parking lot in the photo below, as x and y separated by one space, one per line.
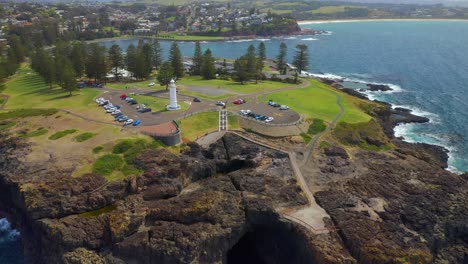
156 118
280 116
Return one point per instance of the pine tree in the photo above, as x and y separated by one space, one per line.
301 59
197 59
241 73
175 58
77 57
131 59
148 53
281 59
96 62
262 51
116 60
157 54
208 69
165 74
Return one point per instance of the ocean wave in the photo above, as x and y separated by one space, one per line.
309 39
240 40
6 232
433 118
290 38
263 39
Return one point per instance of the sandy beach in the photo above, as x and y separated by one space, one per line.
304 22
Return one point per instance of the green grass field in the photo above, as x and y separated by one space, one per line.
330 9
250 87
318 101
158 104
139 84
198 125
187 37
28 90
205 96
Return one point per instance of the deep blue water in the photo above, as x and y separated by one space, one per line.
426 61
10 244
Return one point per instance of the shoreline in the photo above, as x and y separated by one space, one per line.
321 21
411 118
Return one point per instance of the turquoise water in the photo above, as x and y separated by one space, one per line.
425 61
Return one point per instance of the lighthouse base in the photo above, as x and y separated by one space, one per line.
172 108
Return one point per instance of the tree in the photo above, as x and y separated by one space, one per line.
175 58
165 74
148 53
262 51
281 59
301 59
197 59
78 57
116 60
96 62
68 82
157 54
241 73
208 70
131 59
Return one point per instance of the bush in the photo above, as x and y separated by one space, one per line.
133 152
39 132
106 164
85 136
368 135
316 127
122 146
97 149
306 138
26 113
61 134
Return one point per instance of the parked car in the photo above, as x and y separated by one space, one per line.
245 112
284 107
269 119
119 115
128 98
105 102
219 103
239 101
276 105
137 122
251 115
270 102
133 102
123 96
151 84
122 118
196 99
144 110
128 122
110 110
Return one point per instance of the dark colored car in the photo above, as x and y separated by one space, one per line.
144 110
251 114
196 99
276 105
133 102
137 122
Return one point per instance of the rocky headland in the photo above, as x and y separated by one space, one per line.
223 204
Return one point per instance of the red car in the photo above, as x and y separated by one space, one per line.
123 96
239 101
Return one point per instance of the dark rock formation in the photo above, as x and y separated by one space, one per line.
378 87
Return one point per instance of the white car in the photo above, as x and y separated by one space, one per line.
284 107
116 112
151 84
269 119
128 98
110 110
219 103
128 122
100 100
245 112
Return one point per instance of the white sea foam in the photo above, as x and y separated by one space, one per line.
433 118
309 39
240 40
290 38
5 228
263 39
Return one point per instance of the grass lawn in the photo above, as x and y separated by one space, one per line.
187 37
28 90
331 9
205 96
158 104
250 87
318 101
140 84
198 125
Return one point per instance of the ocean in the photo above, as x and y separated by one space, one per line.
425 62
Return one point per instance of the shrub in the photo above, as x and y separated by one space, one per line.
61 134
368 135
97 149
106 164
128 170
36 133
85 136
20 113
122 146
316 127
306 138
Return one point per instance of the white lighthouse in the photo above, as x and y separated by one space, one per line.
172 97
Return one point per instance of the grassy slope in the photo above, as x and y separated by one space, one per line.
330 9
233 86
28 90
317 101
140 84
